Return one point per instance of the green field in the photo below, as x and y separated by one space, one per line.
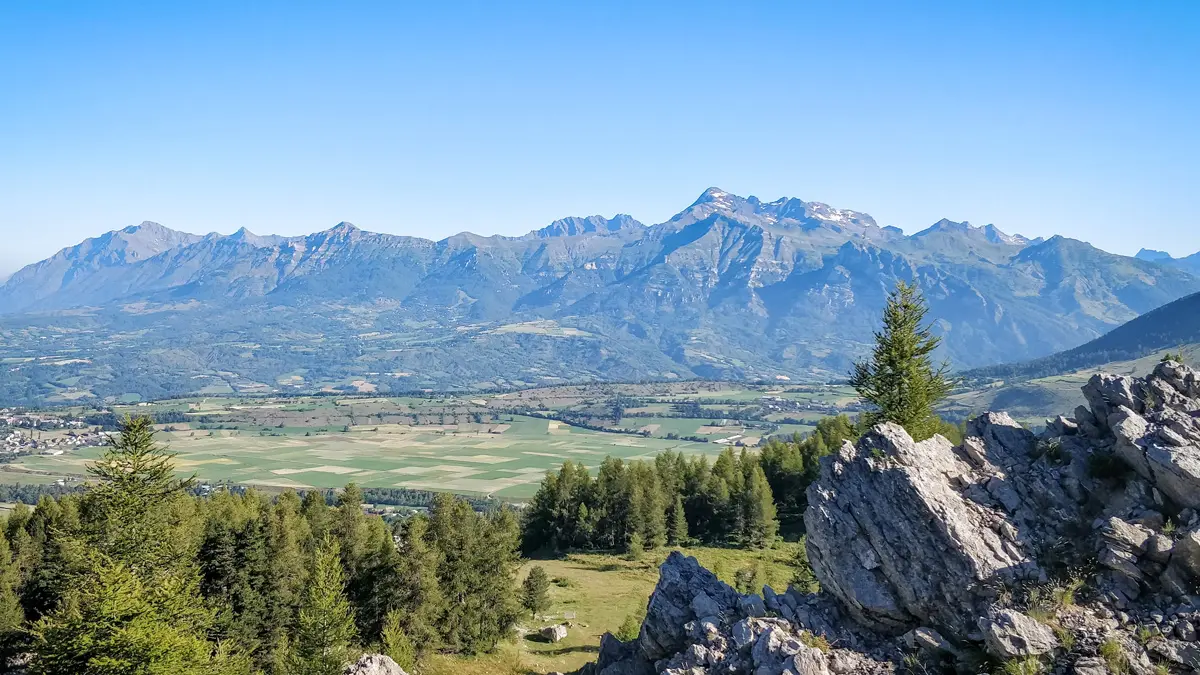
507 459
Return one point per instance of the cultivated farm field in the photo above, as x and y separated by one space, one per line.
506 459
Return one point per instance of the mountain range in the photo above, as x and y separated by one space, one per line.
730 287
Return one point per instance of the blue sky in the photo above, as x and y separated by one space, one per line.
1076 118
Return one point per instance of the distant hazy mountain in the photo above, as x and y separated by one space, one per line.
1190 263
729 287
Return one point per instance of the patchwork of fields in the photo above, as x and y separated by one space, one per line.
497 444
507 460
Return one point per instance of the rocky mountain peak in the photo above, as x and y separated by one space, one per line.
715 195
996 236
343 227
1153 255
245 236
143 227
989 233
342 232
597 225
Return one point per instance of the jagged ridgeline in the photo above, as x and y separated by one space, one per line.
729 288
1074 550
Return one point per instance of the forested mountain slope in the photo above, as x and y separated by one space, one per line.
1173 326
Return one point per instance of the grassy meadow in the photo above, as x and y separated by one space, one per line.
600 591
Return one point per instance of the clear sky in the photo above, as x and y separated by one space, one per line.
1079 118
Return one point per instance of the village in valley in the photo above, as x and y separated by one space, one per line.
45 433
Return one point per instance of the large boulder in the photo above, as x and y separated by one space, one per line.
891 535
1038 484
555 633
1009 634
374 664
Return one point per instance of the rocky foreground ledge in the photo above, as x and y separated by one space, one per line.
1077 550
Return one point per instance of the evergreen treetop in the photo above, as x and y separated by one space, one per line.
900 379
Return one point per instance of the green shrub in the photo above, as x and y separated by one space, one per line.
1114 657
814 641
630 628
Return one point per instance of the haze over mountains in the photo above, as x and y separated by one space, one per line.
730 287
1190 263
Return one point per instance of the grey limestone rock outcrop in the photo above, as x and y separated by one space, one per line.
697 624
1155 425
892 537
1078 546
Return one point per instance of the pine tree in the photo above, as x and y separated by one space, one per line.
420 601
396 643
653 514
635 548
677 532
477 557
11 614
44 586
900 380
316 514
759 523
287 575
111 623
127 515
496 561
535 591
350 527
325 626
802 577
630 628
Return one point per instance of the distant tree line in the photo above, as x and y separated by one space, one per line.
411 497
19 493
741 499
639 505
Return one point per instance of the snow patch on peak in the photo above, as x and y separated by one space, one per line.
989 232
715 195
996 236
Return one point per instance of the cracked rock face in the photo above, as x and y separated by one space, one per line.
892 535
1156 426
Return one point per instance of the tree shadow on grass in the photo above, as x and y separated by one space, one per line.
563 651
